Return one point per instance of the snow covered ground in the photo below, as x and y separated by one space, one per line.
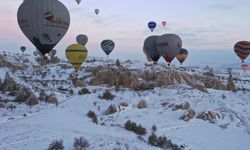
29 128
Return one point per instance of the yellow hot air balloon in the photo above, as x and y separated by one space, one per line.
76 55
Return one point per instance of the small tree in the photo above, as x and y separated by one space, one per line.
80 143
56 145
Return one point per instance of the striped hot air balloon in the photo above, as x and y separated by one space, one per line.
107 46
242 49
182 55
76 55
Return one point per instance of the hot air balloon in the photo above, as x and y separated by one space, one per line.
244 67
164 23
150 48
182 55
107 46
97 11
242 49
229 70
78 1
152 25
44 22
23 48
35 53
82 39
53 52
168 46
76 55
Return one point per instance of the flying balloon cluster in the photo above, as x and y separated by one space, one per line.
168 46
152 25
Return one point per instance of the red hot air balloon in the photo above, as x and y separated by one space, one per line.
244 67
164 23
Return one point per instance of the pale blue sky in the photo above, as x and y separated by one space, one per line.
202 25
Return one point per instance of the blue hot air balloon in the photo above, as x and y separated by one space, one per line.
152 25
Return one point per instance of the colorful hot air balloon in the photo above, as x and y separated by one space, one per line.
97 11
23 48
164 23
78 1
244 67
182 55
168 46
107 46
76 55
82 39
152 25
150 48
242 49
44 22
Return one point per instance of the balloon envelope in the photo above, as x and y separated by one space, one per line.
168 46
44 22
23 48
78 1
36 53
164 23
182 55
82 39
244 67
152 25
53 52
150 48
242 49
107 46
76 55
97 11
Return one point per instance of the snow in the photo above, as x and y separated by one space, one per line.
44 123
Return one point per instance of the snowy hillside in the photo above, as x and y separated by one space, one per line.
191 106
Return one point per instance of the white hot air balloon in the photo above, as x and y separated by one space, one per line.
44 22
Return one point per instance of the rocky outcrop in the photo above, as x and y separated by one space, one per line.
23 95
121 77
32 100
9 65
189 115
231 86
208 116
53 100
9 84
142 104
111 109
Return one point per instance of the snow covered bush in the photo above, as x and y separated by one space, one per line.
56 145
84 91
107 96
132 126
162 142
93 116
80 143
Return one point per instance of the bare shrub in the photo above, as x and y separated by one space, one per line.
56 145
132 126
80 143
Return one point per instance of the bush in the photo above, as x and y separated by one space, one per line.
80 143
84 91
107 96
11 107
93 116
56 145
132 126
162 142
